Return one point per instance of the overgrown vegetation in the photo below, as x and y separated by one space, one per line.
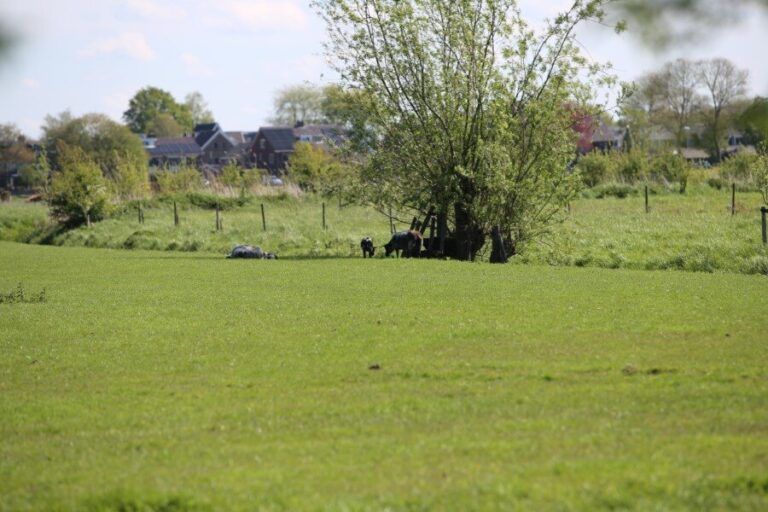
20 296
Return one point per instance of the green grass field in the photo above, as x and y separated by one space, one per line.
184 381
693 232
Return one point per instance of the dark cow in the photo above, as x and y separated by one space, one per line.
366 244
409 242
251 252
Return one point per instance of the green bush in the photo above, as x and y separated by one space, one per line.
210 201
186 179
632 167
595 168
738 167
79 193
671 168
620 190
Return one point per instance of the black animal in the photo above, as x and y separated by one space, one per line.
366 244
409 242
251 252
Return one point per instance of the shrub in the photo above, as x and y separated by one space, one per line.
760 175
672 168
79 193
632 167
210 201
595 168
738 167
620 190
186 179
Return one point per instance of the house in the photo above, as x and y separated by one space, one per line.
695 156
216 146
273 146
609 138
171 153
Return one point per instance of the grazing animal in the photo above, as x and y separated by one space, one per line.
251 252
366 244
409 242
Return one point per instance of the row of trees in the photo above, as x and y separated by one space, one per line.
685 93
156 112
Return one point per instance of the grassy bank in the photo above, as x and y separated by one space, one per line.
188 381
693 232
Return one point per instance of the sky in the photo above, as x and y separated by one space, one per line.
93 55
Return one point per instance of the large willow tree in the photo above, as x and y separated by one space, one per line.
472 109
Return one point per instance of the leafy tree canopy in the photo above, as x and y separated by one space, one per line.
754 121
150 102
109 145
198 107
471 108
79 193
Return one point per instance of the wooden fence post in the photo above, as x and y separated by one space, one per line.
733 199
763 212
263 218
324 226
175 215
647 206
391 222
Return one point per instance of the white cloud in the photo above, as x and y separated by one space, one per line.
132 44
154 10
30 83
194 66
265 14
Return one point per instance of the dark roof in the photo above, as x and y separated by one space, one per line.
207 127
181 146
203 137
281 139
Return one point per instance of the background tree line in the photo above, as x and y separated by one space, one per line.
684 95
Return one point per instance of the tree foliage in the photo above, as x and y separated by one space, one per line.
79 193
298 103
14 152
754 121
117 151
149 103
471 109
724 84
198 107
316 169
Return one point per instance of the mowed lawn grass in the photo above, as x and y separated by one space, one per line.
174 381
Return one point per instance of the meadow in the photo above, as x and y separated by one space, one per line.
159 380
693 232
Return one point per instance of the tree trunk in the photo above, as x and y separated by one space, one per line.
469 236
498 249
88 219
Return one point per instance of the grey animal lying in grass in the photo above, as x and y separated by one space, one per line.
251 252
